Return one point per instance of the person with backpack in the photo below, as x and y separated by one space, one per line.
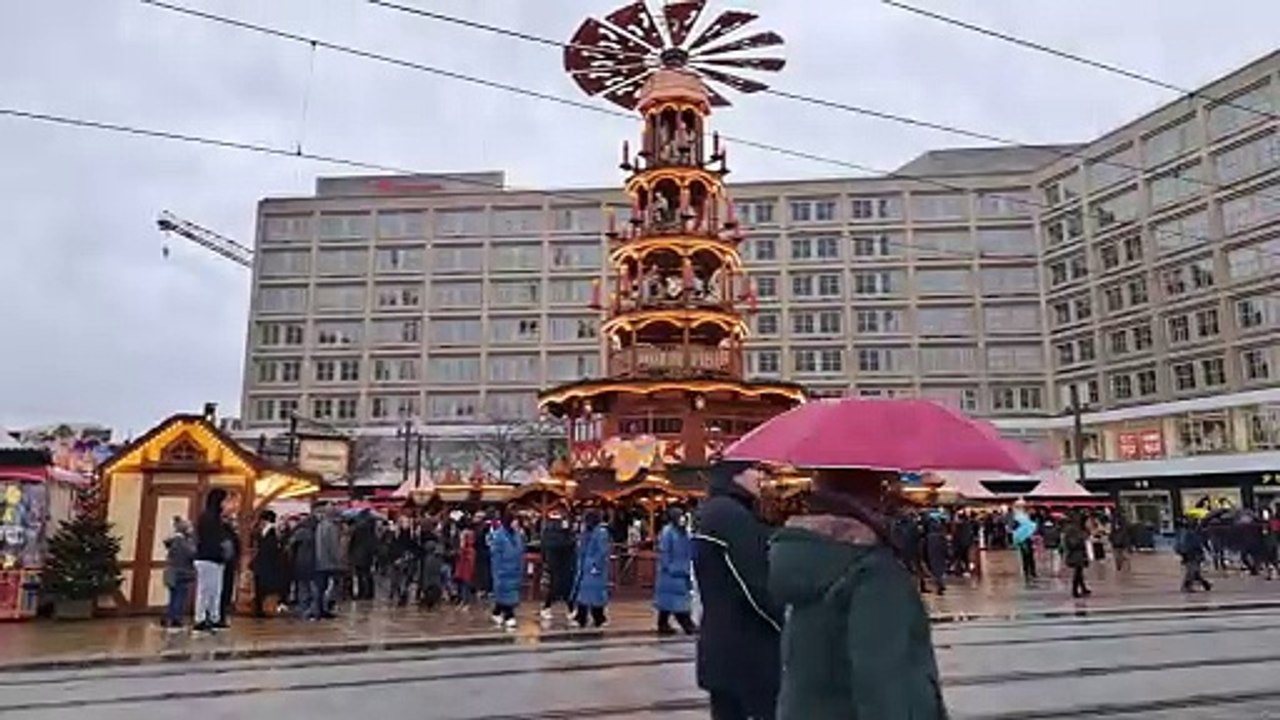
1190 547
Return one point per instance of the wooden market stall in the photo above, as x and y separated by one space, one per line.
168 472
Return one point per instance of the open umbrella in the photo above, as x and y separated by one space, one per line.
890 435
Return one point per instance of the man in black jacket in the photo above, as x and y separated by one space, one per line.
558 562
213 550
738 651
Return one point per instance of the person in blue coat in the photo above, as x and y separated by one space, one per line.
591 582
673 588
506 552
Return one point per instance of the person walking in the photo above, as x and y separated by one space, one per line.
857 639
935 554
267 565
362 551
464 570
230 571
558 563
179 572
591 581
406 553
673 588
484 560
302 561
213 550
1121 542
506 560
1190 547
1075 547
329 564
738 660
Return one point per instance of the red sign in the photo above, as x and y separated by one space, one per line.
1140 445
395 186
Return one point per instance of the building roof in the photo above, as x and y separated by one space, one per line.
985 161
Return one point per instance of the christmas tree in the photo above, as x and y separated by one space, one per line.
82 562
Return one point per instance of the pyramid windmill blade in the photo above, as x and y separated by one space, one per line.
715 98
724 24
741 84
759 40
596 44
627 92
636 20
681 17
595 81
762 64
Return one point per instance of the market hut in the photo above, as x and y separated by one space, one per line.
168 472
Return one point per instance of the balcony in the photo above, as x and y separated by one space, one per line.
674 361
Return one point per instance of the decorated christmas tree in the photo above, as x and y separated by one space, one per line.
82 562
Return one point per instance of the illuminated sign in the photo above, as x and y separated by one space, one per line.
1140 445
326 457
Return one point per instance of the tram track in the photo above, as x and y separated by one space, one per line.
992 679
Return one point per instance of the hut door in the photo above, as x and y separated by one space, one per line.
165 498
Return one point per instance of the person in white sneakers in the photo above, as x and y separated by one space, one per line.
557 562
506 550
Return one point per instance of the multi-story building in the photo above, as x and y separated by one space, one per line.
1140 268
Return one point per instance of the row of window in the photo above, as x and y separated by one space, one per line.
924 321
987 242
397 407
442 331
441 295
989 281
498 368
944 360
922 206
448 222
501 258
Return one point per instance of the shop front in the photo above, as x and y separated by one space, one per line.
1161 500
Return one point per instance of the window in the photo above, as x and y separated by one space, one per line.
1025 397
802 286
1133 248
766 323
338 333
1009 281
884 360
395 332
1142 337
576 257
1118 342
1116 167
1085 348
511 406
1061 313
803 323
1063 229
517 221
1203 433
515 330
1254 260
562 368
284 263
391 260
960 359
399 296
1004 203
1147 382
766 286
1177 185
1121 387
340 298
757 212
279 300
827 247
1243 110
801 248
831 360
515 258
945 321
1137 290
1258 313
452 223
1011 319
287 228
813 210
884 282
878 322
1179 329
395 369
397 406
812 361
950 244
1184 376
344 227
458 258
1264 428
883 207
1180 280
452 370
322 408
768 362
574 329
1207 323
455 332
401 225
1007 242
1182 232
586 220
939 206
1246 160
346 261
264 409
830 322
1255 363
1062 189
829 285
1170 142
942 282
515 293
513 368
469 295
280 334
1065 353
1116 210
1247 211
805 361
453 407
1213 371
765 248
1015 359
1113 297
875 246
570 292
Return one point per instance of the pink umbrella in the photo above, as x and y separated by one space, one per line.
892 435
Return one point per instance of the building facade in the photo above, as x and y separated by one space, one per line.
1140 268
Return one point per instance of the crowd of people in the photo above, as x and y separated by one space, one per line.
306 564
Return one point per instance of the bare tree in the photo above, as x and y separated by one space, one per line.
507 449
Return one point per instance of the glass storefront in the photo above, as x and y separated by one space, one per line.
1211 498
1153 508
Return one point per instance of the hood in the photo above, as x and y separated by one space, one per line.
213 501
813 553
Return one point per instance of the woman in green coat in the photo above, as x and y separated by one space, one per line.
857 644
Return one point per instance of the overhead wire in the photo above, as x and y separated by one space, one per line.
874 113
1078 59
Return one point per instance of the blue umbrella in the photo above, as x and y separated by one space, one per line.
1023 530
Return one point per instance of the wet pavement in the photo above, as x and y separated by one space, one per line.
1218 665
1151 584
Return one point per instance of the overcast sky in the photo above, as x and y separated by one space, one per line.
100 327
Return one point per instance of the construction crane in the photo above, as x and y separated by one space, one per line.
208 239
